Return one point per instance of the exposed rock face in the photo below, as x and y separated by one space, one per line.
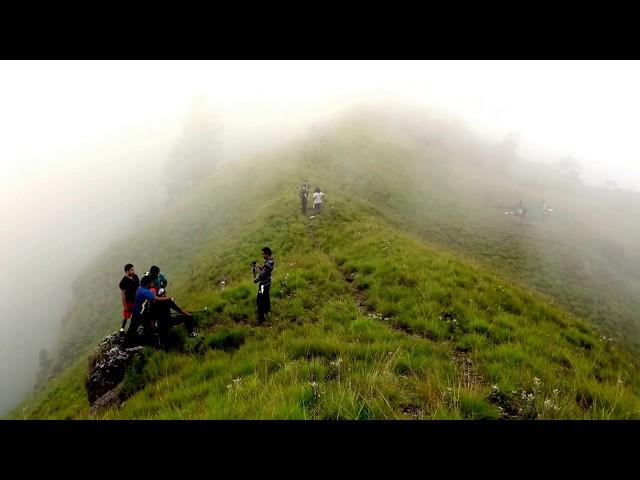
107 368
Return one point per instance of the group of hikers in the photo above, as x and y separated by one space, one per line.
521 210
318 195
148 309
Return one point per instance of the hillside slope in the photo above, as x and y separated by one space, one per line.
369 320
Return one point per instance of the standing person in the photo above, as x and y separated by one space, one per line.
317 200
304 194
264 284
128 286
140 317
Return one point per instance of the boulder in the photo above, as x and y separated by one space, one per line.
107 368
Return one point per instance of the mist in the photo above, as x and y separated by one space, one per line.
83 147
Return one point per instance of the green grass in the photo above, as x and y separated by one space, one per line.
373 317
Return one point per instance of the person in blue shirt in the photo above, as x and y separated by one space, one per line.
145 296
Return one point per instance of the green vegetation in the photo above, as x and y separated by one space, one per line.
380 311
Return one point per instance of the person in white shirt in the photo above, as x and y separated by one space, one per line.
317 200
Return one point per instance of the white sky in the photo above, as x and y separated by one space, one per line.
586 109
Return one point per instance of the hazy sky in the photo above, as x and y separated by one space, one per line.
580 108
81 142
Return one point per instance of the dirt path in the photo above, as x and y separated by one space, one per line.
470 375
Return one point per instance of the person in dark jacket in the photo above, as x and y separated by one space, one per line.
161 313
304 194
264 284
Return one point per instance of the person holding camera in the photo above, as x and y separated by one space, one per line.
264 283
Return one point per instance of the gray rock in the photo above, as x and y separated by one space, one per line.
107 368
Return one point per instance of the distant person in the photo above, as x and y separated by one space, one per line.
161 313
159 278
141 309
128 286
264 284
304 194
317 200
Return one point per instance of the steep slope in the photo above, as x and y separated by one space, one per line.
369 320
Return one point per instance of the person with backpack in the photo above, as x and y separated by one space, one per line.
317 200
263 280
128 286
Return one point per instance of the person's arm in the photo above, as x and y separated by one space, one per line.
124 299
263 269
162 299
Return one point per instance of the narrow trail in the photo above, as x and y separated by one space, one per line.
470 376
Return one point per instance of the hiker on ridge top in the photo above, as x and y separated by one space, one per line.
317 200
304 193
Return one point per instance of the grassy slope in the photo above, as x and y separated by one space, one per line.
585 256
363 322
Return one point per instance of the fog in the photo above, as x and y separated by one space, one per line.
83 146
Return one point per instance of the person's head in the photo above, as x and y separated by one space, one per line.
317 189
154 272
146 281
266 253
129 270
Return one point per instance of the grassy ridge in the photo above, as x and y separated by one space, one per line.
371 323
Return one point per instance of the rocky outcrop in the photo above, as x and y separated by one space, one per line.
107 369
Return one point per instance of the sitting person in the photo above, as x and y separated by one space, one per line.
161 313
141 310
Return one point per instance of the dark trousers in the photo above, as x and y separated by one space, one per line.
263 301
304 206
165 324
317 207
132 337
